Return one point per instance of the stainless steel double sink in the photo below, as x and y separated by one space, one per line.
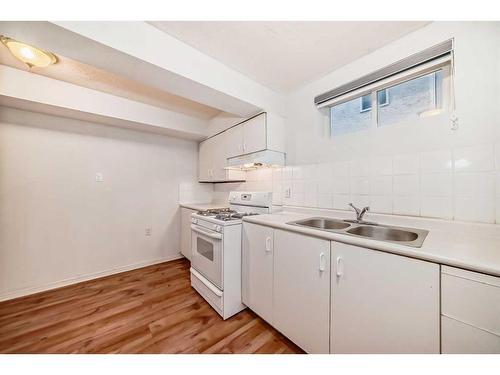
400 235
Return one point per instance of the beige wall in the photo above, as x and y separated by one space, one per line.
58 225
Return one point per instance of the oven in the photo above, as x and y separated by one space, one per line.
206 247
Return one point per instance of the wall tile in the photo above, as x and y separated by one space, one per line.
310 172
359 167
277 174
438 207
475 209
297 186
325 200
311 199
406 164
360 185
406 185
360 200
479 185
325 186
497 156
340 168
381 185
474 158
341 201
409 205
325 171
297 172
381 166
436 185
340 185
436 161
297 199
381 204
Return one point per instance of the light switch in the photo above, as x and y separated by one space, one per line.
99 177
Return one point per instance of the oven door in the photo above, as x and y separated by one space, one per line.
206 258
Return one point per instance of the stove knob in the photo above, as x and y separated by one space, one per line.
218 228
194 221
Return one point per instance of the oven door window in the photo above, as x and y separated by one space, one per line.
205 248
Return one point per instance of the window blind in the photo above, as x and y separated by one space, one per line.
434 52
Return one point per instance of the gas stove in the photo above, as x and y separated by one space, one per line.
224 214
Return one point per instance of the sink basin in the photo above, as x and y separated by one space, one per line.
322 223
404 236
384 233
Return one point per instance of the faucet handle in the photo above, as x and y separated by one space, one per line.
354 207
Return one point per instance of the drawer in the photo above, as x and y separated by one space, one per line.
460 338
208 291
471 298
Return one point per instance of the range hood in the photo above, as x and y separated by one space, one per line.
259 159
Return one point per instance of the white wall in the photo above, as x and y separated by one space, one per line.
58 225
420 170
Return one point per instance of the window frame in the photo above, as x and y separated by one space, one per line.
443 64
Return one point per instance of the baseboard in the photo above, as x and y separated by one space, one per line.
74 280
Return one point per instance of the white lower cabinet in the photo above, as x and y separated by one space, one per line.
186 231
257 270
302 290
383 303
470 311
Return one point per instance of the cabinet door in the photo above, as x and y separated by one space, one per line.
254 134
302 290
205 160
383 303
186 232
234 141
219 157
257 270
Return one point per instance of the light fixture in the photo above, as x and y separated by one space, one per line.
30 55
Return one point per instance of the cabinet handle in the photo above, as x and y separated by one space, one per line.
268 244
340 267
322 264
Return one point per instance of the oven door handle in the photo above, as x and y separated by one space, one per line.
214 235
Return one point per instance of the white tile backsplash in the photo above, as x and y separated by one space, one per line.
406 164
461 184
474 158
436 185
436 161
408 184
381 185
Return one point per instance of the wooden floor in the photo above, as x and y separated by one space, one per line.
148 310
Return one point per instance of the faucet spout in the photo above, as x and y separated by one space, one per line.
360 212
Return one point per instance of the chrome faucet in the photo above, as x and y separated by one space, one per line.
359 212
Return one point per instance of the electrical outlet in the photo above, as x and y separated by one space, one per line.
148 231
99 177
288 192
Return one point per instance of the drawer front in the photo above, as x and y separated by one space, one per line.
211 294
460 338
471 298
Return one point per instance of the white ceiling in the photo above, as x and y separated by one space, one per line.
286 55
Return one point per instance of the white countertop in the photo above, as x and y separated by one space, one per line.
204 206
471 246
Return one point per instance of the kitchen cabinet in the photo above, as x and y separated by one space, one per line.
262 132
383 303
257 269
212 160
186 231
302 290
470 309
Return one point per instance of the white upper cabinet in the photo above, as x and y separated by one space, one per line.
254 134
383 303
302 290
262 132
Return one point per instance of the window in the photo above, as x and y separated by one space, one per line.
399 100
410 100
347 118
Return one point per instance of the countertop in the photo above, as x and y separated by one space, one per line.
470 246
204 206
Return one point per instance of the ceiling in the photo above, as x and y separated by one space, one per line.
81 74
284 55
